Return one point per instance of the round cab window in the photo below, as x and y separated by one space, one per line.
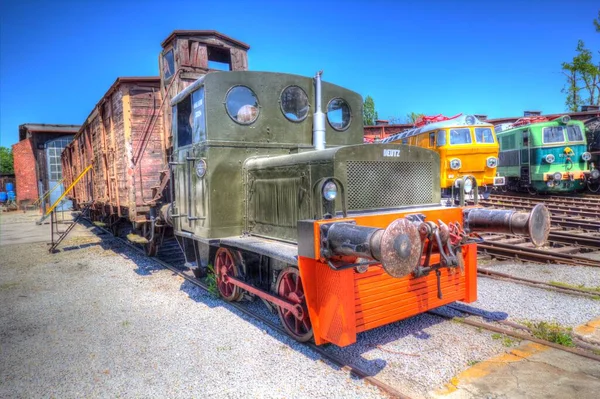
242 105
294 103
338 114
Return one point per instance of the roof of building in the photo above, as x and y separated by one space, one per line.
27 129
205 33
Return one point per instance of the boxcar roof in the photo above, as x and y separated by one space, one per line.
27 128
204 33
113 87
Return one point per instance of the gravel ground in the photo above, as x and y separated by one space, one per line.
574 275
518 303
106 322
421 353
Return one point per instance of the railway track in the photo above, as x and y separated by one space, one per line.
581 348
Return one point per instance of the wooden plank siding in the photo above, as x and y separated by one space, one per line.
124 123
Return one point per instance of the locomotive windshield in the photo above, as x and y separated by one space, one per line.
484 135
553 134
574 133
460 136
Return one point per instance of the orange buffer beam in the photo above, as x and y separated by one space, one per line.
342 303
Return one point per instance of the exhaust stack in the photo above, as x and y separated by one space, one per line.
318 116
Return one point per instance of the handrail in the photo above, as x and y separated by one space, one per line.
47 193
59 200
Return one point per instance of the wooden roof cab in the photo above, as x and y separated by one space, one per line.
189 54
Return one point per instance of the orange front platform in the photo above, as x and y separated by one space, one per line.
344 303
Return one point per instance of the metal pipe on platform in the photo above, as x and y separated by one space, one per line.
535 224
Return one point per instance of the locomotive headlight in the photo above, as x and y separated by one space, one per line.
492 162
329 191
595 174
470 120
550 158
557 176
586 156
468 185
201 168
455 164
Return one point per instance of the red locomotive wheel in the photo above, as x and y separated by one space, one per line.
224 266
289 286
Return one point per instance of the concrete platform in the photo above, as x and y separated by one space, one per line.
20 227
528 371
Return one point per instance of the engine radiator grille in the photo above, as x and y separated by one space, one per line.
381 184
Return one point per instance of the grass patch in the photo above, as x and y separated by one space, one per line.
552 332
211 281
593 290
506 340
8 286
126 323
472 363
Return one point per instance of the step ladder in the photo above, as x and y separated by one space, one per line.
59 200
61 235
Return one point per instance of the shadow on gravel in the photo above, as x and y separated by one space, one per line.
487 315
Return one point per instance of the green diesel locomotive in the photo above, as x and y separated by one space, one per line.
546 156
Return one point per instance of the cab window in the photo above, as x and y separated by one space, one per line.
242 105
432 139
574 133
553 134
168 64
460 136
441 137
339 114
199 115
184 122
484 135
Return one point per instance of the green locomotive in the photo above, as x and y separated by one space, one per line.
546 156
330 235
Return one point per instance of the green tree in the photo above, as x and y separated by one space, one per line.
583 76
6 160
369 113
412 117
583 79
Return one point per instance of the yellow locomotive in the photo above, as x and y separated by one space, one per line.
468 151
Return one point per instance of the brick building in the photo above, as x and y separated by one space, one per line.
37 159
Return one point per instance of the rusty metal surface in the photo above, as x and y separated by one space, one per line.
401 248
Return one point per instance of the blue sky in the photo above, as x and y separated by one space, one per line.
57 58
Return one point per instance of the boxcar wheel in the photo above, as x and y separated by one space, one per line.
289 287
225 266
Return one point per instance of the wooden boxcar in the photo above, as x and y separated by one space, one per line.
124 139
